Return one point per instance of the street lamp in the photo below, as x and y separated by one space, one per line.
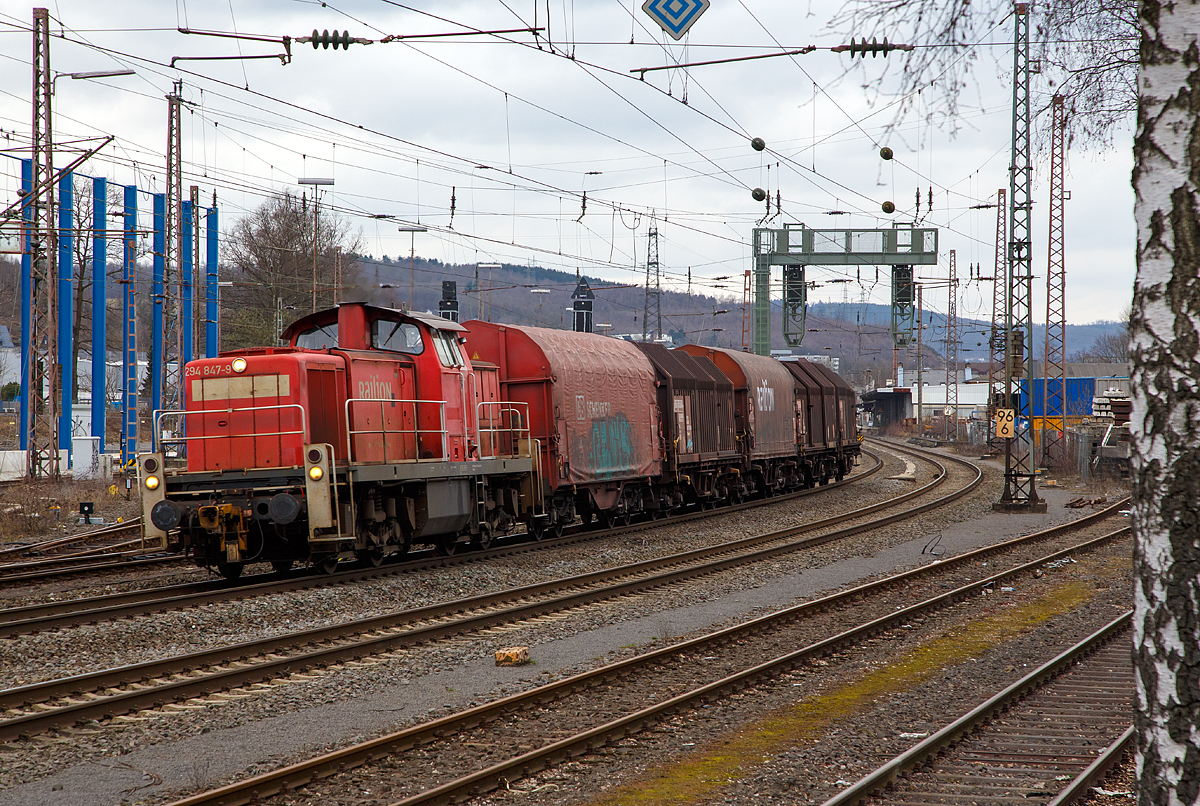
412 230
91 74
322 181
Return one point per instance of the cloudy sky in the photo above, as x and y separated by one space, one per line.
491 140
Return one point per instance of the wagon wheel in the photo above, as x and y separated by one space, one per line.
326 565
230 571
610 518
626 517
282 566
557 528
485 538
448 547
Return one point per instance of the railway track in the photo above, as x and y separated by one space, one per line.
87 562
41 706
114 530
1051 734
500 742
73 612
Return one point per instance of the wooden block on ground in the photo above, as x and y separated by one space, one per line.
512 656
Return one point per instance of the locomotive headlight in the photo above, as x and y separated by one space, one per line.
152 482
239 365
316 473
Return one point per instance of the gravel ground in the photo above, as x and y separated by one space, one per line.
78 650
166 751
409 773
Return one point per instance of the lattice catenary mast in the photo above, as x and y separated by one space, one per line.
653 304
1020 489
1054 415
999 317
952 351
172 335
44 371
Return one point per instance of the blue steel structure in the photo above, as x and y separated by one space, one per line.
66 262
26 297
158 298
65 282
186 273
212 344
99 308
129 369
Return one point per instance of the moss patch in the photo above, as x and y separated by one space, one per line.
705 775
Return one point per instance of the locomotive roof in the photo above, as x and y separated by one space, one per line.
320 317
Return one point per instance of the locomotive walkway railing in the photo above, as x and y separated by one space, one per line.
503 429
163 438
395 441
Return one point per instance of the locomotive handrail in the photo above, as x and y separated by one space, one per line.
159 414
415 431
519 411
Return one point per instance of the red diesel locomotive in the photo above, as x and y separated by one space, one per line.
375 430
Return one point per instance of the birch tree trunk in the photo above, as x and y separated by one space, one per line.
1165 426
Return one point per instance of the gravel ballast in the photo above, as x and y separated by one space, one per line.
143 759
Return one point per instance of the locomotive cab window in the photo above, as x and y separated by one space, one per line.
447 349
319 338
398 337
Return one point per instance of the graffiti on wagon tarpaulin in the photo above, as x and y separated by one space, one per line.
606 448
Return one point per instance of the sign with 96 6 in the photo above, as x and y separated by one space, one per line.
1005 423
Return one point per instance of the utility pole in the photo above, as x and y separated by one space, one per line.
952 351
44 371
996 342
746 313
653 304
920 357
1020 489
1054 397
172 333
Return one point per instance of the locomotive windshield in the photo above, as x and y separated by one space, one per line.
319 338
399 337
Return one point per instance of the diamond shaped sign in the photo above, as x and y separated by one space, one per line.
675 16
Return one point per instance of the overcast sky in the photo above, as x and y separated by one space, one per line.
515 128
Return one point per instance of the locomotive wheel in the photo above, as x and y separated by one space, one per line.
371 556
229 570
282 566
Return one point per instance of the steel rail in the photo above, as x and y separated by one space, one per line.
111 529
574 535
636 577
1096 771
937 743
57 615
264 785
125 561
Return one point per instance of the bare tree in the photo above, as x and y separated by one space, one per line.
1090 46
1165 430
1109 348
1088 50
270 263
